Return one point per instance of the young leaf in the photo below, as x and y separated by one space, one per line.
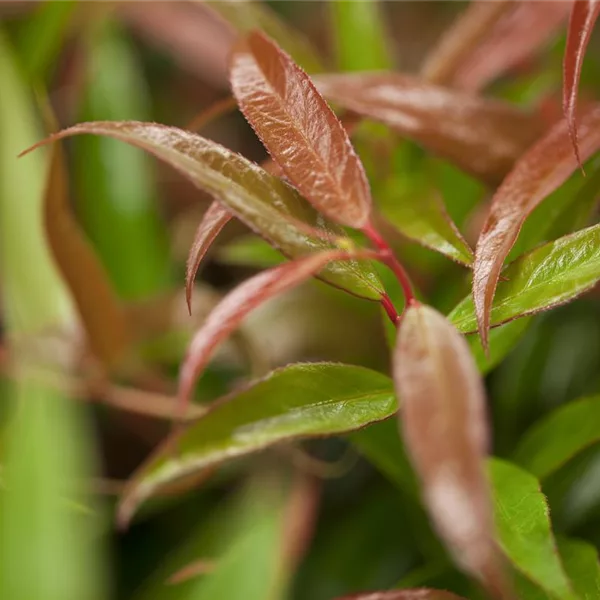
483 137
445 430
231 311
299 130
559 437
215 218
294 402
544 167
581 24
263 202
524 531
417 594
520 32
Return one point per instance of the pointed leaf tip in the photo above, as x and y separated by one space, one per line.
581 24
445 428
542 169
299 130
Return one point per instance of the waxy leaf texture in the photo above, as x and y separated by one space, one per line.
581 24
444 423
548 276
297 401
542 169
484 137
261 201
299 130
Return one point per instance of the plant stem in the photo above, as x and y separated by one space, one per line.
386 256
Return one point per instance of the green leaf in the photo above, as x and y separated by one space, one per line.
416 210
297 401
581 563
560 436
117 198
548 276
246 16
263 202
524 532
249 251
361 41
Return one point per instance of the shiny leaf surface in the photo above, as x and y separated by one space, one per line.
263 202
543 168
297 401
434 374
483 137
299 130
581 24
524 532
546 277
559 437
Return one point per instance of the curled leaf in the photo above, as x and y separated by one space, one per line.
543 168
482 136
230 312
214 219
263 202
445 430
299 130
581 24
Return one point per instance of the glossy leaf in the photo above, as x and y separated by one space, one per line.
297 401
416 594
524 532
264 203
544 167
548 276
416 210
560 436
581 24
518 35
232 310
213 221
299 130
461 40
483 137
434 374
246 16
361 39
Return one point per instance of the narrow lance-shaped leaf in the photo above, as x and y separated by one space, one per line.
299 130
263 202
230 312
213 221
481 136
545 277
520 32
581 24
294 402
540 171
445 429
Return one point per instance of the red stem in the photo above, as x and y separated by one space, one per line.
390 309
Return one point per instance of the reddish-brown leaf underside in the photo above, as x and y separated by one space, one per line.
230 312
443 418
517 36
215 218
543 168
299 130
416 594
581 24
482 136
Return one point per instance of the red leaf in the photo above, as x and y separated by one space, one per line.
299 130
583 16
215 218
230 312
416 594
442 412
484 137
516 36
543 168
